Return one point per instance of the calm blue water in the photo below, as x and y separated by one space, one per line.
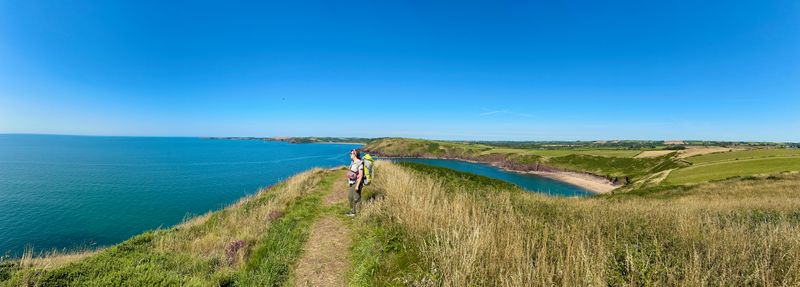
72 191
528 182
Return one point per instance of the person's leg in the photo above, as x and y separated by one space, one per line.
356 200
351 197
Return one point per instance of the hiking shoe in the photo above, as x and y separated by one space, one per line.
350 214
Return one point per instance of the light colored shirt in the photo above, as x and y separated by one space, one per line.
355 167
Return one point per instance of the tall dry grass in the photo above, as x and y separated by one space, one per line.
202 249
52 258
732 233
212 236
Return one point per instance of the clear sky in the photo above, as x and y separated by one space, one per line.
518 70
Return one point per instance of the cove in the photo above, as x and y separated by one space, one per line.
528 182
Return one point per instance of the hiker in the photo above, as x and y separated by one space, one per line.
355 177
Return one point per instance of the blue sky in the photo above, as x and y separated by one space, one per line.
518 70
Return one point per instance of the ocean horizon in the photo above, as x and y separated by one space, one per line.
75 192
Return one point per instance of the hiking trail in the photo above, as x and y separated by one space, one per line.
326 254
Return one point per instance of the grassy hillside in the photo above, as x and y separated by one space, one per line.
459 230
725 170
612 163
736 163
428 226
251 243
300 140
646 167
307 140
744 154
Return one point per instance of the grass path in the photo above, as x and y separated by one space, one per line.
326 257
272 260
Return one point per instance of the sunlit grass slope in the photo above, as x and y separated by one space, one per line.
250 243
607 162
428 226
744 154
724 165
612 163
438 227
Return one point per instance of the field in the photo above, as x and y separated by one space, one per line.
745 154
724 170
737 163
617 164
564 152
629 164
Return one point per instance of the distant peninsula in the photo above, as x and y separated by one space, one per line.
300 140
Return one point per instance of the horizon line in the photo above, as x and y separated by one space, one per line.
424 138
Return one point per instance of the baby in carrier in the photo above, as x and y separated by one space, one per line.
355 178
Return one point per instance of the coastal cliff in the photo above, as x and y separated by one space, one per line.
486 231
595 172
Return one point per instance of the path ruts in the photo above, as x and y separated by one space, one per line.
325 260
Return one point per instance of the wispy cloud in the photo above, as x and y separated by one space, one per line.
484 114
504 112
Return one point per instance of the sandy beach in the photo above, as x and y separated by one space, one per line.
592 183
589 182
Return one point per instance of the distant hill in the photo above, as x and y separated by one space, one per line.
618 165
645 163
301 140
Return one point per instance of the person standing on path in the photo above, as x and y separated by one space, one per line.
355 177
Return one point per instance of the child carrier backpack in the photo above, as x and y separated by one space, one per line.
368 161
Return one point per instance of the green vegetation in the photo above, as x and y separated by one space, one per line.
564 152
735 163
428 226
615 164
419 147
271 261
253 241
431 228
626 144
744 154
555 145
307 140
623 165
694 216
300 140
729 169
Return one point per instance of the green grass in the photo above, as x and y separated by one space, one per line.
419 147
467 182
194 253
430 226
382 257
735 232
271 262
133 261
745 154
614 163
564 152
383 253
732 168
615 166
594 152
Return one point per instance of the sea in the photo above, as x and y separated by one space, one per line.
83 192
